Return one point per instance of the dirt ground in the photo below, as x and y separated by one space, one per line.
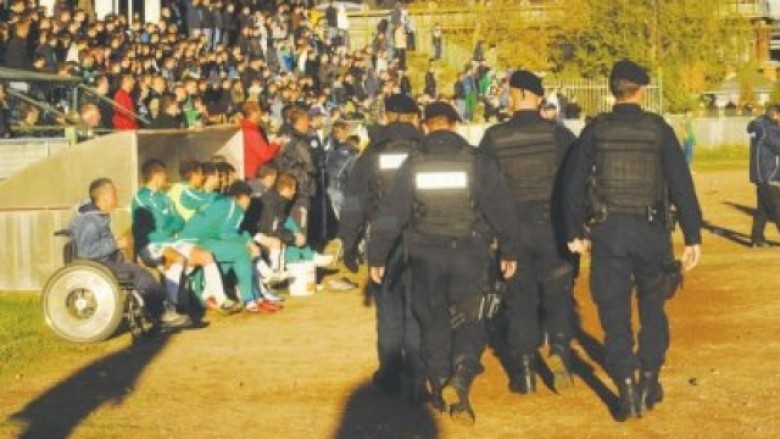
304 372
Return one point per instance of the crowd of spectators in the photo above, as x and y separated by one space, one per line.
203 59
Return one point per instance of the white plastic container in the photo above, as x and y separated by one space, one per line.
303 278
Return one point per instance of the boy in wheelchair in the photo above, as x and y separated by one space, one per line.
93 240
156 224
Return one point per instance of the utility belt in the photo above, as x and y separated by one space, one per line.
483 306
658 214
419 239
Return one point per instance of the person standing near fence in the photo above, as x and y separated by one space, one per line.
688 136
5 127
765 172
437 42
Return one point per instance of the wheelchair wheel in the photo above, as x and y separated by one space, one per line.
83 302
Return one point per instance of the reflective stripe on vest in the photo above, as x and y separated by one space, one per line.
443 194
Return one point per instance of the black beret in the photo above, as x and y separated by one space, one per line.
440 108
526 80
402 104
629 71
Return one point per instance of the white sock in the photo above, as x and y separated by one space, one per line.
172 280
262 269
213 283
275 255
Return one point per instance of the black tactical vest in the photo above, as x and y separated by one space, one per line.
444 203
388 158
529 159
627 171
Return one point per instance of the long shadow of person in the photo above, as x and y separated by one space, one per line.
370 414
58 411
594 349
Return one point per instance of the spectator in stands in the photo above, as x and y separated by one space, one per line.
17 55
5 129
437 42
257 148
29 117
431 83
170 115
124 111
89 116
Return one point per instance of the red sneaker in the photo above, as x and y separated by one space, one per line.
257 308
269 305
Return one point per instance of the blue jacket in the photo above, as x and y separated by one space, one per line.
764 150
92 234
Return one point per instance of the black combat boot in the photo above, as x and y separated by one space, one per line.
456 395
437 401
418 390
650 390
524 381
559 363
387 381
628 404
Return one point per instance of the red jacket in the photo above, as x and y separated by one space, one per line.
121 120
257 150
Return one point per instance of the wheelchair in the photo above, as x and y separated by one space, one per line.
85 302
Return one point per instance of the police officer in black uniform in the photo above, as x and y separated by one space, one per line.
530 150
449 200
398 333
626 171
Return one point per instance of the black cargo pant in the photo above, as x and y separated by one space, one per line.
767 209
544 276
398 331
628 251
441 276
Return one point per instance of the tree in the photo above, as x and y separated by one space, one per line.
692 42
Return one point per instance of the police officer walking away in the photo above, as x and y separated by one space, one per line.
530 150
448 201
765 172
634 164
398 333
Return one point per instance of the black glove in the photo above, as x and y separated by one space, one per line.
351 261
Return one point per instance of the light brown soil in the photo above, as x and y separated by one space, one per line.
304 372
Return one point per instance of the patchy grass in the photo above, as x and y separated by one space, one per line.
25 340
720 158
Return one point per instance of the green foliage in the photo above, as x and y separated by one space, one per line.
774 96
692 42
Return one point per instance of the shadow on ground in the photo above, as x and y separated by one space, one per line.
371 414
57 412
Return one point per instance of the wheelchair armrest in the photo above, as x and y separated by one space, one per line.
124 279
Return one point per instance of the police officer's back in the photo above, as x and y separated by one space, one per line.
627 165
449 201
373 176
530 150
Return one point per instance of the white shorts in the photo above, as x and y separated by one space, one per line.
152 254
